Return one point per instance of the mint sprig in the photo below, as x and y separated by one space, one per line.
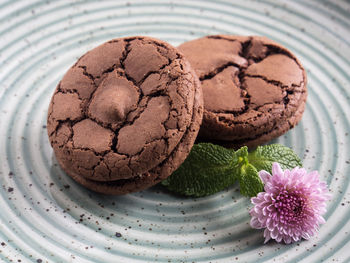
211 168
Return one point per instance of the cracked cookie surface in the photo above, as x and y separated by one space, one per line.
254 89
126 115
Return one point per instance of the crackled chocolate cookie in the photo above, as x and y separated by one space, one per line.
254 89
126 115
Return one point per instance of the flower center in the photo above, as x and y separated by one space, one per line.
290 207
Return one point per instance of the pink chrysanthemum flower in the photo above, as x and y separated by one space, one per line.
292 205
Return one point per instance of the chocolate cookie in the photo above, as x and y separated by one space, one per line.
126 115
254 89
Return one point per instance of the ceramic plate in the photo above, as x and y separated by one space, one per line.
47 217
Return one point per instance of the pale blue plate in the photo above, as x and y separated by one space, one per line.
46 217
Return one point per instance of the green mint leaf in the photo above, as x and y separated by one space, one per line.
208 169
249 180
263 157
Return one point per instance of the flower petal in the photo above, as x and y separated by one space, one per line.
287 239
254 223
321 220
269 224
274 233
276 169
264 176
267 235
258 199
279 238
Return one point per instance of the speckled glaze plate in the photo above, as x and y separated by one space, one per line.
47 217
